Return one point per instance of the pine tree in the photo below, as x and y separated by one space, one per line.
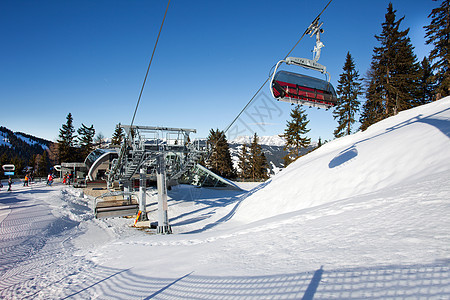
349 89
438 34
244 163
258 162
295 134
41 164
426 84
220 158
53 153
118 136
66 150
86 140
393 74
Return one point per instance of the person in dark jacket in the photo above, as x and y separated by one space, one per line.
9 184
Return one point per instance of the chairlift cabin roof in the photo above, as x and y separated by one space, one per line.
302 89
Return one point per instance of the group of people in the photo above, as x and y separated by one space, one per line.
27 180
68 177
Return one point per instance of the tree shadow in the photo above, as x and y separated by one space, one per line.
238 200
343 157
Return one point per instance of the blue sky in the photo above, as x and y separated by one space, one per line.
89 58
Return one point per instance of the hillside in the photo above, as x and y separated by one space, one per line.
411 146
19 148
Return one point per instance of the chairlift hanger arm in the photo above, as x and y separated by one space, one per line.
306 63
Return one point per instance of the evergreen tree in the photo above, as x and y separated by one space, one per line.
41 164
393 74
295 134
438 34
349 89
244 163
426 84
220 158
258 162
371 111
66 150
53 153
86 140
118 136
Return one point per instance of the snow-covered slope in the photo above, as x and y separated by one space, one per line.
413 145
4 141
30 141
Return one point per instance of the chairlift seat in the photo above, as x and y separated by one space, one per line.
301 89
115 207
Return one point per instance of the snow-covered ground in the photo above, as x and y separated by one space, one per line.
364 216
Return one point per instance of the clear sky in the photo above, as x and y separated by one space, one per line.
89 58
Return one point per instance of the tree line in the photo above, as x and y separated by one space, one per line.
396 80
252 164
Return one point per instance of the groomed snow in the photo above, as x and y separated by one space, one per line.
365 216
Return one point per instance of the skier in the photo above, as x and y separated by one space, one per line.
25 182
9 184
49 179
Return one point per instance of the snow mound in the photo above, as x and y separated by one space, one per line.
408 147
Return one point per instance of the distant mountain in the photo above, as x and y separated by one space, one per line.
272 146
274 140
19 148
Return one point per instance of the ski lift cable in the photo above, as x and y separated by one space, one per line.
307 31
150 63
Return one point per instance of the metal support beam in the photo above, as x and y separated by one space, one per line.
142 198
163 219
156 128
126 190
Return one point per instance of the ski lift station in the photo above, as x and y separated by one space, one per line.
148 154
167 156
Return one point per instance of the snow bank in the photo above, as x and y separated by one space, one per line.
412 145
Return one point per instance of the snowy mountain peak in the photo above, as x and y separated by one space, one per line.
274 140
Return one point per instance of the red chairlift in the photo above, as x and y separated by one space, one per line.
301 89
